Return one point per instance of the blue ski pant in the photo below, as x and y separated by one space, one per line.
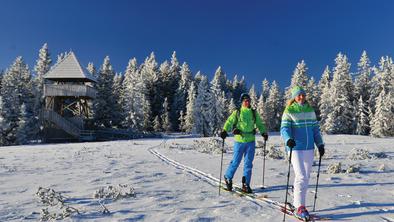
247 151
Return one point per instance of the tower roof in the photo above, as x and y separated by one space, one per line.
69 70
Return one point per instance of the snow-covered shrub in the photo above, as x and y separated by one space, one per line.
359 154
212 146
115 192
55 202
382 168
335 168
273 151
355 168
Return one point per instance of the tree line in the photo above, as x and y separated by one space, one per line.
167 97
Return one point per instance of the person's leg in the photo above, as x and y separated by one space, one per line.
237 157
297 161
248 160
308 161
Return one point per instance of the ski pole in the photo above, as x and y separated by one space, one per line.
287 185
265 142
221 166
317 183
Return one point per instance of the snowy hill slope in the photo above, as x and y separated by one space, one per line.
166 193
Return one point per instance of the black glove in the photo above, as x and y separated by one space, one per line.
265 136
291 143
223 134
236 131
321 149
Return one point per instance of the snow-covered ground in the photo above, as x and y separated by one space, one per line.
164 192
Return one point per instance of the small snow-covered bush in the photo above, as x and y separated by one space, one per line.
335 168
55 202
355 168
382 168
359 154
273 151
212 146
115 192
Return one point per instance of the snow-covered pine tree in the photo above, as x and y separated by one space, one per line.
197 79
133 90
190 109
325 98
118 96
362 117
173 85
219 108
231 107
150 73
253 97
92 69
16 90
313 93
381 123
41 68
182 120
61 56
265 89
165 117
203 109
220 79
299 78
23 129
382 80
179 103
362 86
156 124
274 107
2 123
239 87
342 115
104 102
262 108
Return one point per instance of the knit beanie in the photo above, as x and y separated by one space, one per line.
297 90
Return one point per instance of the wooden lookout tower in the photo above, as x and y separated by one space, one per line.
68 92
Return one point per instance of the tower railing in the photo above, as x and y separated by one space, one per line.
69 90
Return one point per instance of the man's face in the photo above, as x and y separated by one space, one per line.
246 102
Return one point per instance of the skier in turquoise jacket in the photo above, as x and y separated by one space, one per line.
243 123
300 132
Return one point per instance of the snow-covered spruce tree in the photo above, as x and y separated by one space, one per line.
118 97
173 85
262 108
133 91
165 117
325 98
23 128
265 89
2 123
61 56
362 86
362 118
274 107
190 111
16 90
299 78
150 75
253 97
41 68
382 80
381 123
220 79
231 107
91 69
342 115
197 79
203 118
219 107
239 87
313 94
179 103
157 125
182 120
104 102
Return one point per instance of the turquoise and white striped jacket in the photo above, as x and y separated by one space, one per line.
299 123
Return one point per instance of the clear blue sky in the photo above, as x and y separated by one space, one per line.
258 39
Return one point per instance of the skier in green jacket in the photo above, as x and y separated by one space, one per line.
243 123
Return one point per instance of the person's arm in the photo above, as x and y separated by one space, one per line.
228 125
286 127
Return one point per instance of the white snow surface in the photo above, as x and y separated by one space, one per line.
185 189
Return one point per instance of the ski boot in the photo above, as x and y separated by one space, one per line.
302 213
229 184
245 187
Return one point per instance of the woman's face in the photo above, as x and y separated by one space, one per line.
300 98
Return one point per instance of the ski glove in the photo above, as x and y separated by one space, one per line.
236 131
265 136
291 143
321 149
223 134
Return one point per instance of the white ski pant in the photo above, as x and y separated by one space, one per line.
302 161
